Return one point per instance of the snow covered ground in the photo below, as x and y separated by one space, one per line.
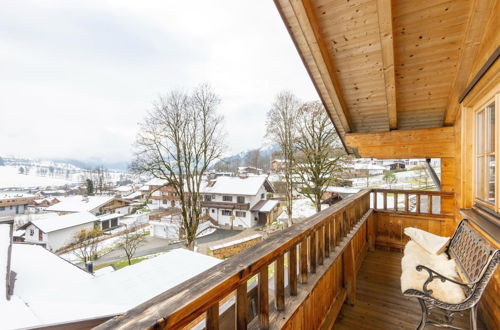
11 178
301 209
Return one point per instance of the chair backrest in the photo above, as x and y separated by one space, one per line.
471 251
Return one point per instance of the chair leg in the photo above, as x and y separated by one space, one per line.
473 317
421 326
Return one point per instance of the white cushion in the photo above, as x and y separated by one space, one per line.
434 244
415 255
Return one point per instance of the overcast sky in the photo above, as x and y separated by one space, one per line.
77 76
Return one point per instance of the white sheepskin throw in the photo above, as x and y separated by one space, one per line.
434 244
415 255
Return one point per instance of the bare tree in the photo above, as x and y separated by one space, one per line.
281 128
180 138
86 243
130 241
320 159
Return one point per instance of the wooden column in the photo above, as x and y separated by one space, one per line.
241 307
303 261
292 270
321 244
279 286
212 322
312 252
264 298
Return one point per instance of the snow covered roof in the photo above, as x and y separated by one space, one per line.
123 188
109 216
80 203
69 294
265 206
233 185
15 195
155 182
134 195
64 221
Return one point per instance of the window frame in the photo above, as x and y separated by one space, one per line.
481 106
227 198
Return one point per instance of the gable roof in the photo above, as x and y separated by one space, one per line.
80 203
60 292
234 185
64 221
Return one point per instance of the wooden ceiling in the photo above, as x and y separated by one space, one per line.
383 65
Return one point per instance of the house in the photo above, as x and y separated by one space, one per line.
278 165
59 231
94 204
242 170
399 79
124 190
41 289
161 196
232 201
170 227
14 203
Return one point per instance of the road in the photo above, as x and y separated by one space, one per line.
156 245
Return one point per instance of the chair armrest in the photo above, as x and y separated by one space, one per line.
433 275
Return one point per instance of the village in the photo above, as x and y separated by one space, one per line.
314 164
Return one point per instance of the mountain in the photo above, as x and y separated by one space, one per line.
259 157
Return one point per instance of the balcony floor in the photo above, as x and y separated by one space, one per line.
380 303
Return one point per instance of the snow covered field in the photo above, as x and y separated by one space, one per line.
11 178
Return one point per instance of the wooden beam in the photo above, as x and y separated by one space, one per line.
306 18
384 10
418 143
479 12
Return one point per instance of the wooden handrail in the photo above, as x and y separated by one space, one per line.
329 230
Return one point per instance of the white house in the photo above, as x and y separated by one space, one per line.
49 291
231 201
161 196
57 232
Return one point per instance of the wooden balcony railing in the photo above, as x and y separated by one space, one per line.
412 202
298 278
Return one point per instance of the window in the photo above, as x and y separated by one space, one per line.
227 198
105 225
208 198
241 214
213 210
240 199
485 156
32 232
227 212
114 222
40 235
2 208
262 196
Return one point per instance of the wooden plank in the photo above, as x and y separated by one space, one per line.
327 238
478 15
264 298
212 321
279 286
303 261
418 203
316 46
384 11
349 271
414 143
321 245
292 270
313 257
241 307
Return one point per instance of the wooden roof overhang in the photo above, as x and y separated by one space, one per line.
383 66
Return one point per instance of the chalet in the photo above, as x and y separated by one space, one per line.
94 204
399 79
242 170
11 204
40 289
59 231
161 196
238 201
